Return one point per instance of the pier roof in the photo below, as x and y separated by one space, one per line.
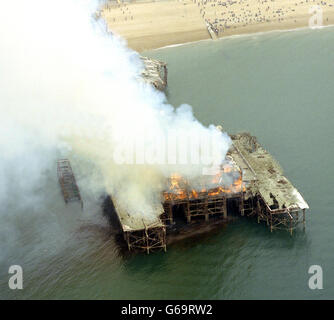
263 175
137 222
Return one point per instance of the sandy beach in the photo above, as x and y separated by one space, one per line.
148 25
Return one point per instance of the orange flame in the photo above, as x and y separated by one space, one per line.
179 188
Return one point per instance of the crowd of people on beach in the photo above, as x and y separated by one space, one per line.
121 5
222 15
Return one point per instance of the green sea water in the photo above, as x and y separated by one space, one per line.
278 86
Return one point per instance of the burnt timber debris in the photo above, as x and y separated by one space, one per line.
67 182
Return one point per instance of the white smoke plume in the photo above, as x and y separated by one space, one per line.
67 89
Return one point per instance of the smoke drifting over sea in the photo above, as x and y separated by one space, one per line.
67 89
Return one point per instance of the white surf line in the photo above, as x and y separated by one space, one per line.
243 35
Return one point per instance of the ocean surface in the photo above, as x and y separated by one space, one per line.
278 86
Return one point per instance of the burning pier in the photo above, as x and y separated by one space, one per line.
249 183
207 196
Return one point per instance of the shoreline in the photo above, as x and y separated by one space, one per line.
259 33
154 25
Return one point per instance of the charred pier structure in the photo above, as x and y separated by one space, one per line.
269 195
204 206
249 183
67 182
154 73
140 234
208 199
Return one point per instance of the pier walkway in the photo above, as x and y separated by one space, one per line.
67 182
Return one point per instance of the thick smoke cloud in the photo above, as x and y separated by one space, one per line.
67 89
